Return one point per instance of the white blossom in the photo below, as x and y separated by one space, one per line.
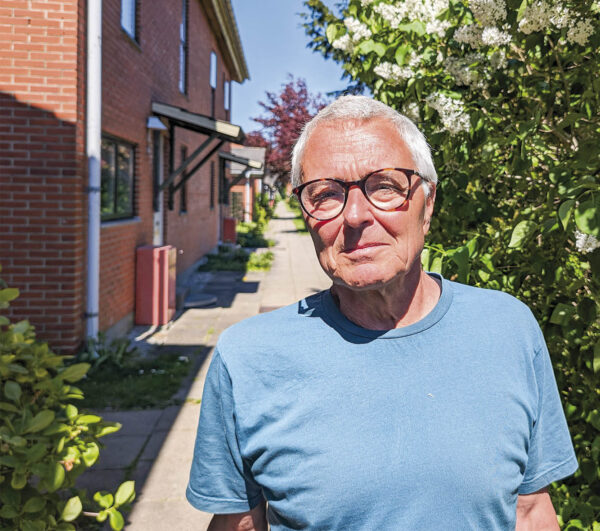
365 3
536 17
469 35
586 243
438 27
498 60
425 11
560 16
451 111
344 43
580 32
357 29
461 70
411 111
488 12
391 14
492 36
393 73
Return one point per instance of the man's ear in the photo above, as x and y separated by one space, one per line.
429 203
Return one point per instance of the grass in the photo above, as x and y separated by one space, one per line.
142 383
294 208
237 260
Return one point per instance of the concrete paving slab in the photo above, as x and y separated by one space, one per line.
120 452
133 422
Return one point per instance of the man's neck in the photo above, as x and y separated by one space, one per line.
403 302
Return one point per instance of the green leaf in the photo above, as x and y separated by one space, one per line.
4 320
19 480
102 516
8 294
56 477
90 454
437 264
366 47
104 500
521 233
75 372
12 390
379 49
40 421
89 419
400 54
125 493
72 509
109 428
116 519
33 525
597 357
332 32
5 406
71 411
564 212
8 511
33 505
562 314
587 218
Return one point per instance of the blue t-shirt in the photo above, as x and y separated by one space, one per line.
437 425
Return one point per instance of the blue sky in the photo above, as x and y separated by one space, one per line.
274 45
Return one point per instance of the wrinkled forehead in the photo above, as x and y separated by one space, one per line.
358 145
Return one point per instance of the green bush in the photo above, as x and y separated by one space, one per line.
251 234
46 442
102 352
231 259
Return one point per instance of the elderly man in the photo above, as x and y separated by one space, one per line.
394 400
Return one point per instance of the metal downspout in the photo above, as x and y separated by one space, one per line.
93 150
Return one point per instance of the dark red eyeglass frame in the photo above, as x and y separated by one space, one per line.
361 183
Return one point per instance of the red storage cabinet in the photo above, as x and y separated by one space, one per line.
155 284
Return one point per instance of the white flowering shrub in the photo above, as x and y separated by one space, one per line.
508 95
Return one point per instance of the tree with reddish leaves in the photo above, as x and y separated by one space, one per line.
286 113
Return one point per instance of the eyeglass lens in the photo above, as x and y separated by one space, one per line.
386 190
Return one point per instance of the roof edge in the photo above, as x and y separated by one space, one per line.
221 12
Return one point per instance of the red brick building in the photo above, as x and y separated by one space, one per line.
167 69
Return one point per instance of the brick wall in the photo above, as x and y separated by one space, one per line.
134 75
41 164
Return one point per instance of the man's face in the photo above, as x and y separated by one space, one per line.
364 247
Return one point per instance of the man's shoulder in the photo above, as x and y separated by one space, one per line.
492 307
276 327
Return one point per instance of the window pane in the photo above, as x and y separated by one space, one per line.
107 187
128 16
182 68
226 94
213 70
125 180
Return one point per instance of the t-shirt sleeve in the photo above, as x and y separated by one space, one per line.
551 456
220 482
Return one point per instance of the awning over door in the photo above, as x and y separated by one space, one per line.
217 131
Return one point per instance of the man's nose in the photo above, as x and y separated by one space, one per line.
357 210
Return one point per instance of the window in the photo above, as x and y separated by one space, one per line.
213 81
116 191
128 13
226 95
212 185
183 189
183 47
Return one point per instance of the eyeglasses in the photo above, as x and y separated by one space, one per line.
386 189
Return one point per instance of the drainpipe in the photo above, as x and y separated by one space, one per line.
93 149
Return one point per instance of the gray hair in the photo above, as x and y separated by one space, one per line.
363 108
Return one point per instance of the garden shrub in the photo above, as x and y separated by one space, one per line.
46 442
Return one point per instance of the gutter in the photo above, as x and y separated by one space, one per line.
93 151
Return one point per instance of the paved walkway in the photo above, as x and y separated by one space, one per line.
155 447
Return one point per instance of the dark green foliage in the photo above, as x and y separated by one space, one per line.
46 441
